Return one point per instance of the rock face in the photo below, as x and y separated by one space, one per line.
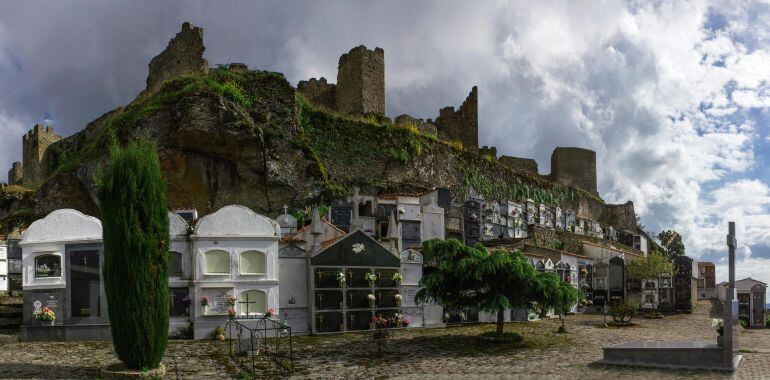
184 55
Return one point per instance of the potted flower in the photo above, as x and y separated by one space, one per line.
46 316
231 312
398 299
270 312
397 277
405 322
219 333
371 277
231 300
719 325
205 304
341 278
371 299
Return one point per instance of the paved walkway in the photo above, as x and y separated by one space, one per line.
420 353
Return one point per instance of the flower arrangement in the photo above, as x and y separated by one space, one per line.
463 317
358 248
718 325
585 302
231 312
204 301
371 277
45 314
341 278
231 300
270 312
380 322
397 277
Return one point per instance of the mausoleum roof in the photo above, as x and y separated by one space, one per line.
177 226
236 221
286 221
62 226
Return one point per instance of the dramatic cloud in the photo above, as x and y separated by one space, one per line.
673 96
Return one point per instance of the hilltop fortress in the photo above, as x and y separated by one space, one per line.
249 143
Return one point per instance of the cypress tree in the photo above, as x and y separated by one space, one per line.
135 224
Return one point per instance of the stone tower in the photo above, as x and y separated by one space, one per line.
574 167
34 144
361 81
16 174
183 55
461 125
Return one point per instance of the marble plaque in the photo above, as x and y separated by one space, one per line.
408 293
296 318
218 300
414 315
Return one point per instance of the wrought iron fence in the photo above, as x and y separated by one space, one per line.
268 343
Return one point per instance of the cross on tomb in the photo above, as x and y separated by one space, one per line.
355 200
245 304
285 209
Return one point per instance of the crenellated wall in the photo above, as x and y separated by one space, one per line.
319 92
520 165
34 144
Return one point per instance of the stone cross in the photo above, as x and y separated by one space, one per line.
285 209
731 359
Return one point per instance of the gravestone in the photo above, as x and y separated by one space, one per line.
688 354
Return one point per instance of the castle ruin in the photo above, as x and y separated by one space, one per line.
182 56
461 125
16 174
360 87
34 144
574 167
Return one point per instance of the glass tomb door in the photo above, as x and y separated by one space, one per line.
85 281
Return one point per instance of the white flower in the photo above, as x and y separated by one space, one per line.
717 323
371 297
341 276
398 297
358 247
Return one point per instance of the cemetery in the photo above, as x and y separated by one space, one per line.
324 230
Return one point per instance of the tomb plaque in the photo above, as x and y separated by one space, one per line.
414 315
296 318
218 304
408 294
291 251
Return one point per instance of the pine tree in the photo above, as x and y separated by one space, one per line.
135 224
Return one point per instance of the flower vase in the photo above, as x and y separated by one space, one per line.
342 283
398 303
205 309
49 323
187 311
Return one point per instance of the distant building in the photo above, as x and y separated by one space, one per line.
706 280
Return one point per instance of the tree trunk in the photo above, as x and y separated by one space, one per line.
500 320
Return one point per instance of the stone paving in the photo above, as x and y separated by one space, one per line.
420 353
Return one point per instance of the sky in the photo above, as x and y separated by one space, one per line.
673 96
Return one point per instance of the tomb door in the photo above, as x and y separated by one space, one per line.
85 281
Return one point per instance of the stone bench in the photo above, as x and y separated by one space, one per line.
669 354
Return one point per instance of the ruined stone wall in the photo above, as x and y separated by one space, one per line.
34 144
319 92
520 165
621 216
488 151
16 174
461 125
574 167
406 121
183 55
361 81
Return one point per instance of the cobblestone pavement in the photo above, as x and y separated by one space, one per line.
421 353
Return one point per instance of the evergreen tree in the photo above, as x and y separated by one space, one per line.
135 223
472 277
